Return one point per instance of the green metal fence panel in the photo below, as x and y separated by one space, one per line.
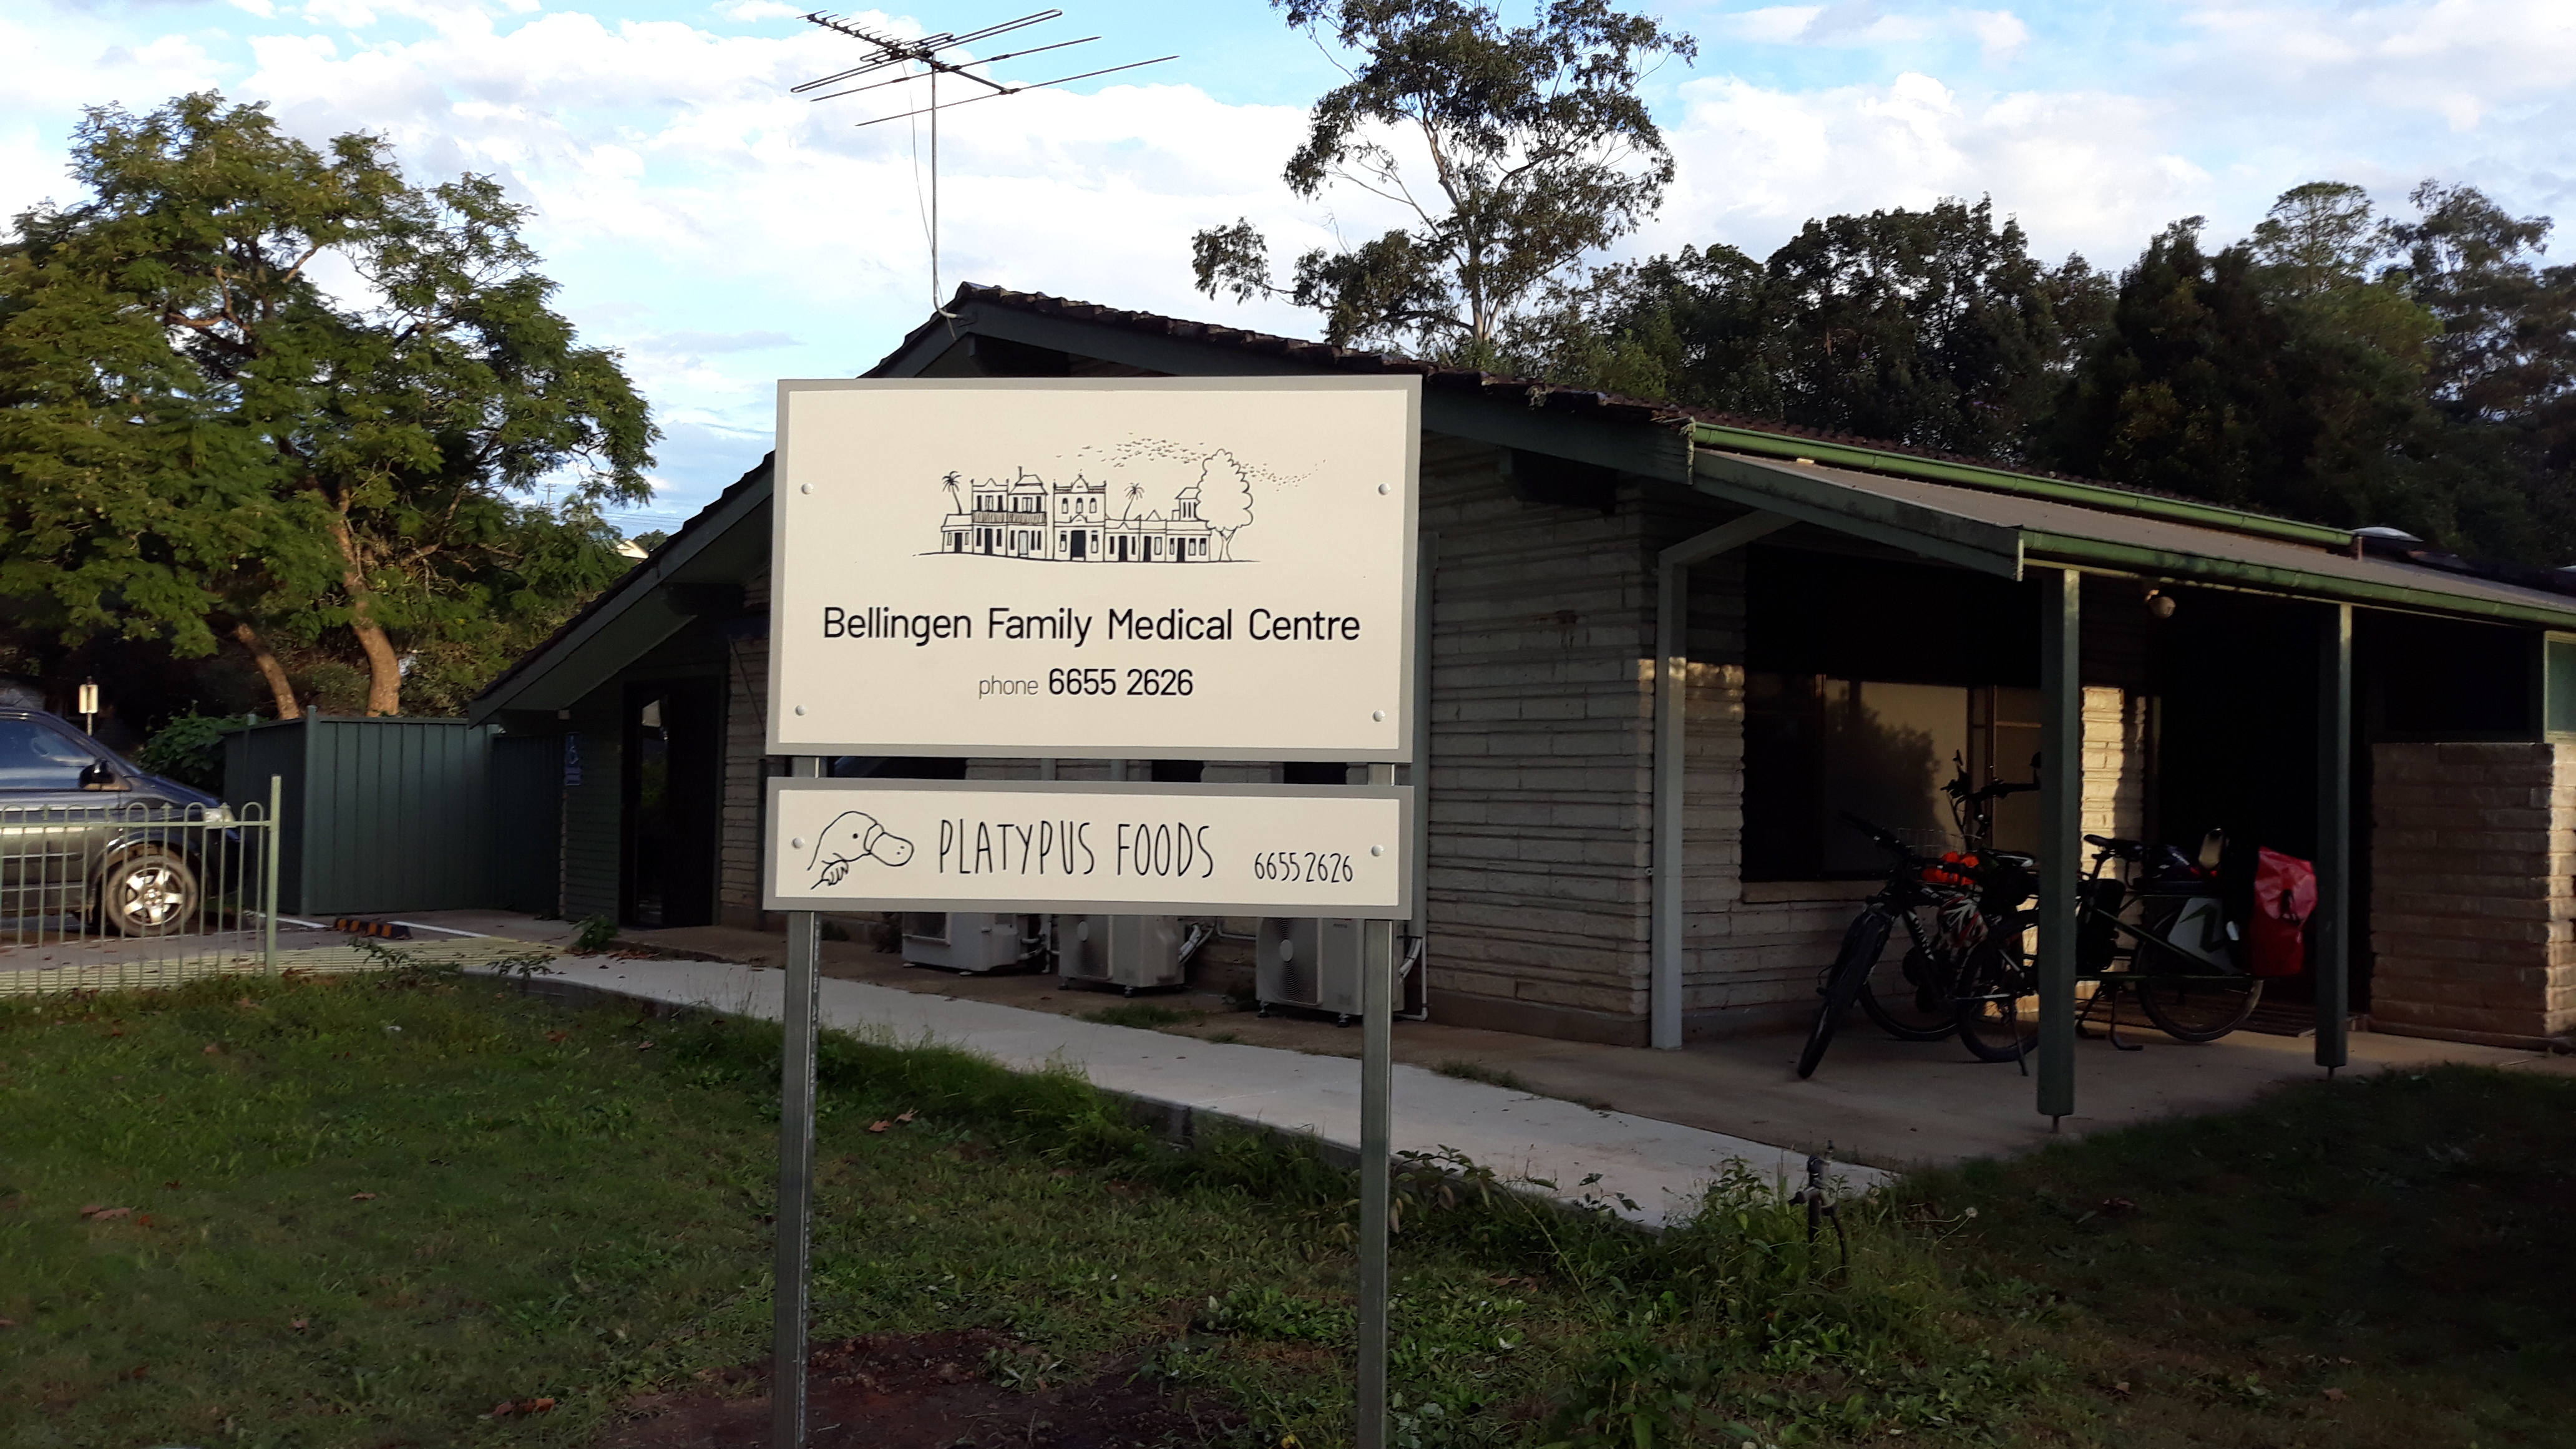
380 814
526 823
251 758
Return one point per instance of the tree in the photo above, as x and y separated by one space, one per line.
368 461
2284 374
1225 499
1538 151
1935 328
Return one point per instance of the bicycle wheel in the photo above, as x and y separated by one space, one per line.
1910 1000
1862 944
2198 1008
1997 1010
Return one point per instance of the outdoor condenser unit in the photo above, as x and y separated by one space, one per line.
962 940
1131 953
1315 964
1308 963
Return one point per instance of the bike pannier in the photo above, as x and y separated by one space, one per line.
2285 895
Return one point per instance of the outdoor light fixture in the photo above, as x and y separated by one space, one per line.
2160 604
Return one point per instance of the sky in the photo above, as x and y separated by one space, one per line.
723 233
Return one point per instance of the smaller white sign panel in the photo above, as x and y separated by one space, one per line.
1031 845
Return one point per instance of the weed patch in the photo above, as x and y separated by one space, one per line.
1144 1015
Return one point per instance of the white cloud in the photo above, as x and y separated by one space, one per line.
2083 171
2000 33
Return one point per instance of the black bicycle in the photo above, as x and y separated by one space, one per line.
1951 907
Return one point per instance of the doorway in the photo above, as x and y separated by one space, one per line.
673 762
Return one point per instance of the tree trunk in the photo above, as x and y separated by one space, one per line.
384 666
272 671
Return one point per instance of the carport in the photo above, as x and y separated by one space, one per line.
2456 657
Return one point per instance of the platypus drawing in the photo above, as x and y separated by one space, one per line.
854 836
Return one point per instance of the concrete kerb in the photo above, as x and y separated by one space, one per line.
1639 1169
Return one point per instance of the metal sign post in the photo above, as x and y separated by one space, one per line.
1109 570
792 1276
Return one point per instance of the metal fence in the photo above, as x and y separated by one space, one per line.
116 896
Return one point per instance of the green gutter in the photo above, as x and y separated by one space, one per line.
2265 578
2056 490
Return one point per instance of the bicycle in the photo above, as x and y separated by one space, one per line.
1967 974
1962 892
2176 958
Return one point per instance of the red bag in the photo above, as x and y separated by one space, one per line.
2285 895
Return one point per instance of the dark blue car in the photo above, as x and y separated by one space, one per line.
88 836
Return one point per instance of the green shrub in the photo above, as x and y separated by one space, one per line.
189 748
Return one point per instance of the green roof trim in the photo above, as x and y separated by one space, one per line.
2056 490
2266 578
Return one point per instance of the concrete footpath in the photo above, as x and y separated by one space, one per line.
1643 1169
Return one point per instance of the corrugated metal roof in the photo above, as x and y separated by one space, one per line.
2159 547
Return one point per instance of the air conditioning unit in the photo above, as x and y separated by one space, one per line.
1132 953
1308 963
969 941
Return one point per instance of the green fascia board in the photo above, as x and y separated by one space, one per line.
2057 490
2267 578
1969 543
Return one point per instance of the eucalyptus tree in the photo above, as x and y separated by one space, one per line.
202 434
1511 152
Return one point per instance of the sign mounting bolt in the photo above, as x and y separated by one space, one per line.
804 487
796 842
800 709
1378 715
1384 489
1373 850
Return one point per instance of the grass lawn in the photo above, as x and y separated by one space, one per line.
365 1211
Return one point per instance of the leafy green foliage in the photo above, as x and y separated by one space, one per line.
2336 365
200 441
1934 328
1538 152
189 748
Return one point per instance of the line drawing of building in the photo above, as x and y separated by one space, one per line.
1069 520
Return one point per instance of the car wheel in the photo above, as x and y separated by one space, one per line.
148 893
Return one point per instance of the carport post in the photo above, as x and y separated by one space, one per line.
2334 834
790 1274
2061 830
1672 672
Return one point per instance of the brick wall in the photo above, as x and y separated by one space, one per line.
2116 762
2473 910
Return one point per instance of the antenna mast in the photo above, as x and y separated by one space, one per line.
928 52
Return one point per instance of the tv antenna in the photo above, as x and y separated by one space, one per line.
934 55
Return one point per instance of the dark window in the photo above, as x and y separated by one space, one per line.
1178 772
897 767
34 756
1314 772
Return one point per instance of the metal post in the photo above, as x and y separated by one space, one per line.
2334 834
2061 830
1377 1083
795 1220
268 882
1672 669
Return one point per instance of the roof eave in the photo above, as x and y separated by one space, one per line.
2098 496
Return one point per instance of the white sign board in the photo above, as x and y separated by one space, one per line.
1195 568
955 845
